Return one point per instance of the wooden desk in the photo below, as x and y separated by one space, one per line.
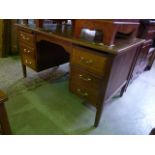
97 72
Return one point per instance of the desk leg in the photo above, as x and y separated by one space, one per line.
24 70
4 123
151 60
123 90
98 116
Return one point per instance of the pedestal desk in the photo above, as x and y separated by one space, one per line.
97 71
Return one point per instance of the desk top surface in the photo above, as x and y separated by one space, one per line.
65 33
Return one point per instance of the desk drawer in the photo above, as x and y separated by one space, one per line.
28 61
89 95
27 50
26 38
89 60
84 78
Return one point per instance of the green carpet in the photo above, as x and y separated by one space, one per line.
43 104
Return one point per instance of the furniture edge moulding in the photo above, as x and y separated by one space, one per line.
65 44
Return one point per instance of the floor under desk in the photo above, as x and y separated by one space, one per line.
42 104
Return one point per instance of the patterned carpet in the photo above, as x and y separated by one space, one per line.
12 80
43 104
30 107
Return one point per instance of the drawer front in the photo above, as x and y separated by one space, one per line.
27 50
84 78
85 93
26 38
28 61
89 60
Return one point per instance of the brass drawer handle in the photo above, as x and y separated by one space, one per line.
27 38
85 94
82 58
24 37
27 51
83 78
28 62
89 61
86 61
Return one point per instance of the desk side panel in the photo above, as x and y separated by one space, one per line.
121 67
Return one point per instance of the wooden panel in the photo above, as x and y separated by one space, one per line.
6 37
120 71
14 44
89 60
1 38
4 123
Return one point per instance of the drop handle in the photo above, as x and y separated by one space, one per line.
82 58
89 61
85 94
86 61
25 38
27 51
83 78
28 62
